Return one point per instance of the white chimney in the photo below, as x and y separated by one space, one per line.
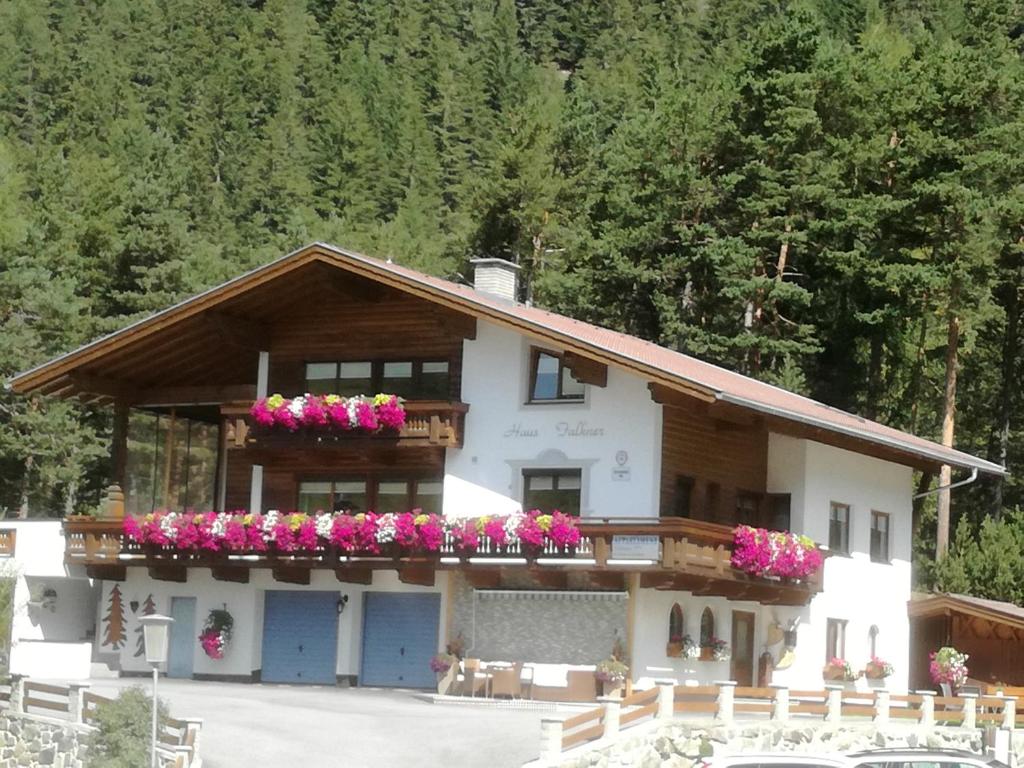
496 277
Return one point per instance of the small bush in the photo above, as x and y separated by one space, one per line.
123 730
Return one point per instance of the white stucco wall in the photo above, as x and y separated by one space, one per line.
504 436
855 589
245 603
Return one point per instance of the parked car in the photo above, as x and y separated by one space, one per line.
871 758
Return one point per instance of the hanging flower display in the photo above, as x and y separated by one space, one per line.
948 665
760 552
365 533
368 415
217 632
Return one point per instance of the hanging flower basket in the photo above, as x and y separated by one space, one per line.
948 665
216 633
331 413
682 647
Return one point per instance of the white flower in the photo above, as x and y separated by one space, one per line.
220 524
269 521
350 406
167 525
385 528
323 525
296 406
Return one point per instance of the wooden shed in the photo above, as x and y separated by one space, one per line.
989 631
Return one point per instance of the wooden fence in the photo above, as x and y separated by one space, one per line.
178 739
727 702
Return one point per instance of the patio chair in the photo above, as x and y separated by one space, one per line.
473 679
507 682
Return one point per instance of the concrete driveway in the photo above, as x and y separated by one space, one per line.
246 726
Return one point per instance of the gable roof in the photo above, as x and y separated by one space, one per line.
656 363
942 603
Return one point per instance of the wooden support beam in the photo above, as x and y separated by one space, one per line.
291 574
169 572
236 573
423 575
586 370
681 395
483 579
353 575
196 395
107 572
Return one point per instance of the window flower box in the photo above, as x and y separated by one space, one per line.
838 670
877 669
330 413
682 647
774 554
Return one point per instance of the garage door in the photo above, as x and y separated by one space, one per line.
300 637
399 637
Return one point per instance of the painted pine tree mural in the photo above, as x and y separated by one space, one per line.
114 633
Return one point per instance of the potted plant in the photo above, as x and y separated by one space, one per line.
948 666
681 646
217 631
720 650
838 670
612 675
877 669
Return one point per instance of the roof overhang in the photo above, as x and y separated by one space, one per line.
928 606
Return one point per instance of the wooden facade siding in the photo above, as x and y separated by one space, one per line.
699 446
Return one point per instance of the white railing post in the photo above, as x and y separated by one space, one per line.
17 701
882 706
1009 712
835 704
780 707
612 710
970 710
927 708
75 702
726 700
666 698
550 737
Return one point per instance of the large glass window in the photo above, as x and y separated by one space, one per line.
363 495
551 489
839 528
355 379
171 463
551 380
410 379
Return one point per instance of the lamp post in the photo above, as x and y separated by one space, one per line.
154 634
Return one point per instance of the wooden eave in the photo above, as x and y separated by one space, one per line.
946 605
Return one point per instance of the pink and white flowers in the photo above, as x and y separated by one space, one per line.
216 633
364 533
760 552
370 415
948 665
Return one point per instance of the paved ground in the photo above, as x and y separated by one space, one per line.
295 726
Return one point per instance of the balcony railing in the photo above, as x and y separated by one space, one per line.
675 554
427 423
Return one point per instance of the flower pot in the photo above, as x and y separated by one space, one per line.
706 653
674 650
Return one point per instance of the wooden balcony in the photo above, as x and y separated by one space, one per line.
434 423
674 554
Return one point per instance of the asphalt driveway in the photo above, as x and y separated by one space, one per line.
246 726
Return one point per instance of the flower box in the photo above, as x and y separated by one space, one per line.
877 669
333 413
774 554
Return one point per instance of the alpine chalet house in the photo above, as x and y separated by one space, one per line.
530 487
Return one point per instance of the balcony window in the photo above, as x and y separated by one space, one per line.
552 489
839 528
171 463
879 537
779 511
409 379
682 498
748 508
551 380
427 495
380 495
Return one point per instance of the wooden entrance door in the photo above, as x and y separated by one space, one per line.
742 667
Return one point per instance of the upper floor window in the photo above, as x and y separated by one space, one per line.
551 489
778 511
411 379
355 495
879 537
682 498
550 379
839 528
748 508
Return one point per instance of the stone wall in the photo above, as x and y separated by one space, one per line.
552 627
681 744
28 741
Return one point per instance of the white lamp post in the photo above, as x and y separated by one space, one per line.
155 629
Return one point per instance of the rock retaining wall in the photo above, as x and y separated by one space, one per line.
681 744
28 741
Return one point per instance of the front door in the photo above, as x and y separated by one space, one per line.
742 668
183 637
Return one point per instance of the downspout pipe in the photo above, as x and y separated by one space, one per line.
951 486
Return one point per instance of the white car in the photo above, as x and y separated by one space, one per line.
872 758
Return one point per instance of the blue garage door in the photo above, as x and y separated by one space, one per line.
300 637
399 637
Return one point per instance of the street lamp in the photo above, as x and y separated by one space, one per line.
155 629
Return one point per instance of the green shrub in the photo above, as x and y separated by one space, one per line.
123 730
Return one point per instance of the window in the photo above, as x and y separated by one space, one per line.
411 379
707 628
747 508
551 489
171 463
778 511
551 380
839 528
675 624
682 498
835 639
711 495
377 494
879 537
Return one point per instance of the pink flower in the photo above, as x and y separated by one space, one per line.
338 414
313 412
344 534
234 534
465 536
494 529
431 534
405 530
366 417
530 532
284 538
133 530
284 417
563 531
307 538
391 414
261 413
